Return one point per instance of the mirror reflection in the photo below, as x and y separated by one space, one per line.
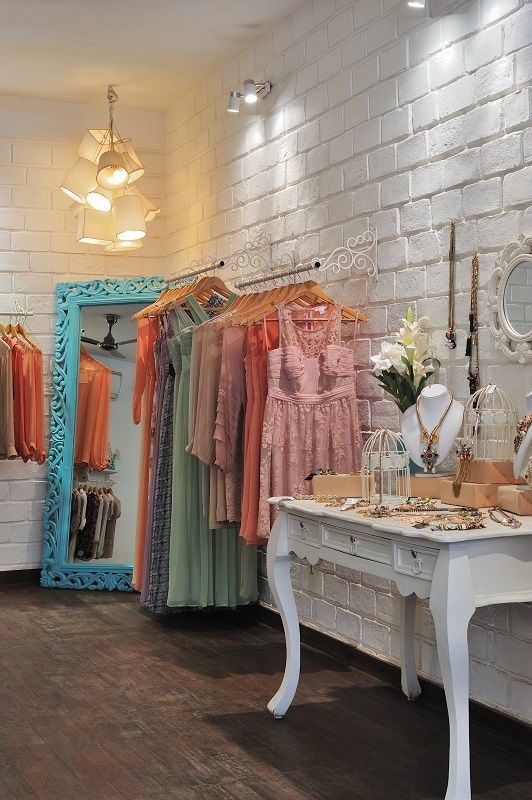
517 300
107 443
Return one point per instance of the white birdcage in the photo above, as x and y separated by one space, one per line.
489 424
385 468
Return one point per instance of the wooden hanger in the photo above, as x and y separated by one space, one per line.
309 294
170 298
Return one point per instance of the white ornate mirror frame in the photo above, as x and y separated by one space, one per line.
515 346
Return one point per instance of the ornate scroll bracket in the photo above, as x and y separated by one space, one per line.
359 253
256 256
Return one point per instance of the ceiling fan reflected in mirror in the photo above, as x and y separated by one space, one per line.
108 343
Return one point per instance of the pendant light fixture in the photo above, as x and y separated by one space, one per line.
101 183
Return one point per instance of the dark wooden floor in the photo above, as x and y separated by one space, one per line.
100 700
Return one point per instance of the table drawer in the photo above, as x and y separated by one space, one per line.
412 560
337 539
373 548
358 544
306 530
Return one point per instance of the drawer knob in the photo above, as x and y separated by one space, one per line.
354 542
417 566
303 527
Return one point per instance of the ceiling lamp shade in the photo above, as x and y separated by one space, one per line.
131 160
123 246
95 227
94 142
149 208
129 217
100 199
234 102
112 172
250 91
80 180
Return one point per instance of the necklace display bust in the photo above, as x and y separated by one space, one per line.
525 448
432 404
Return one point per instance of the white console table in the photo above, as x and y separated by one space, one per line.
458 570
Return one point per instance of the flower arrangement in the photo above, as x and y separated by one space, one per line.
400 367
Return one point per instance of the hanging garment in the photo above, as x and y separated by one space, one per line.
143 393
259 339
7 418
155 421
27 407
91 448
110 532
157 579
206 568
311 416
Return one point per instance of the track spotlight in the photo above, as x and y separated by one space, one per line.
234 102
252 91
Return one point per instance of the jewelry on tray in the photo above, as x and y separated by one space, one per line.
503 518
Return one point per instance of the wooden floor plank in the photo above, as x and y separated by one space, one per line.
101 701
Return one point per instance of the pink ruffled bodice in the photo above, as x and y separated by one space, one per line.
311 415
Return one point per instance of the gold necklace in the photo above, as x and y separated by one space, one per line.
429 455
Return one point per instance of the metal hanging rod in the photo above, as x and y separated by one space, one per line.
266 277
199 267
12 314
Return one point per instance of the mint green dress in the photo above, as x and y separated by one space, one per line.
206 567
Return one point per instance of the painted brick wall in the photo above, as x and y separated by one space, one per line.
38 143
385 117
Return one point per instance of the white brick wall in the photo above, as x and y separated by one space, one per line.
38 248
377 116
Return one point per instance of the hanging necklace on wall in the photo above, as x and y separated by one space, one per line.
473 375
429 454
450 333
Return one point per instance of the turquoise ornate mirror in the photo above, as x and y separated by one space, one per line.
91 507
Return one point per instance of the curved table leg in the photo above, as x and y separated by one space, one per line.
452 605
278 564
409 682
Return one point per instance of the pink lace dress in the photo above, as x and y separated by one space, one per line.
311 414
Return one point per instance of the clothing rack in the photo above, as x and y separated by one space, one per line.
358 253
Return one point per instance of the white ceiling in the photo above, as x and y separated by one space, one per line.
153 51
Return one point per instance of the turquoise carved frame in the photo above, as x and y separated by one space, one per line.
71 297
